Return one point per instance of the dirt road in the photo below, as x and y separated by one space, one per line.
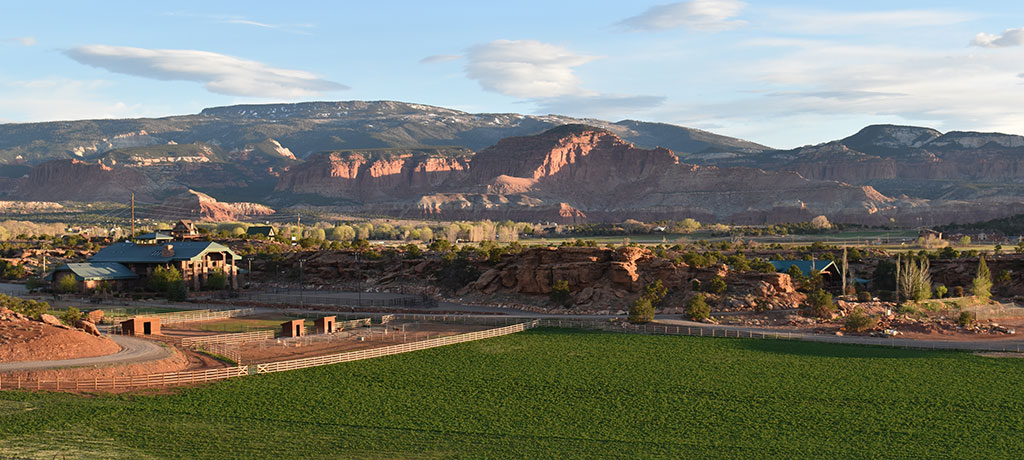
133 350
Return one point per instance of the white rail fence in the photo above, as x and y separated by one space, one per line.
193 377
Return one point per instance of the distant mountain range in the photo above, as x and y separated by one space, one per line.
417 160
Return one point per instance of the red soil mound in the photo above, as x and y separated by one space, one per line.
22 339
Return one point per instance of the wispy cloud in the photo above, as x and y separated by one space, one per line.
23 41
703 15
301 29
58 98
219 73
832 22
1009 37
440 58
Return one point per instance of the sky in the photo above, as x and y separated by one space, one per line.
783 74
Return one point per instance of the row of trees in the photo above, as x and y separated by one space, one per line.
914 280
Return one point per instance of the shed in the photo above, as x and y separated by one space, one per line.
324 325
141 326
153 238
293 328
806 266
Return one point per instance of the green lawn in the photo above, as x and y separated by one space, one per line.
561 394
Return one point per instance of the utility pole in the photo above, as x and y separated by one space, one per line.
898 260
133 216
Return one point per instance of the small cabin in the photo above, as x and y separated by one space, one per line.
141 326
293 328
264 231
324 325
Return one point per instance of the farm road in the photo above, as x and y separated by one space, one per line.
133 350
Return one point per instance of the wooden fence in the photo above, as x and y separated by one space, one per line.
237 338
193 377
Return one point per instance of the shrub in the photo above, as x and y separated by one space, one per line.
34 283
697 308
455 273
560 294
863 296
858 321
958 291
655 292
966 318
941 290
641 311
819 303
30 308
71 316
67 284
176 291
717 285
217 280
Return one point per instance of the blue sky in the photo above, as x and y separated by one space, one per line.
781 73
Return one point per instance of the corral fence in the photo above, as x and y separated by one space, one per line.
228 339
996 311
180 317
193 377
338 298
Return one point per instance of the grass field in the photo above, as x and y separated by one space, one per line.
560 394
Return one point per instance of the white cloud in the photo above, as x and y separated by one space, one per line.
440 58
525 68
705 15
219 73
834 22
23 41
1009 37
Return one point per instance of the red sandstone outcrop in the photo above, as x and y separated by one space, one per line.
60 180
362 177
200 206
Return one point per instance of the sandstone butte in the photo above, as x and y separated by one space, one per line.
570 174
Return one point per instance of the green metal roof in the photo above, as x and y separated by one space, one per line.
805 266
95 271
259 230
154 253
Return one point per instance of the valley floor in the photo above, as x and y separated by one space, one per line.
551 393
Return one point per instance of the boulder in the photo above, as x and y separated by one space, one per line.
88 326
51 320
95 316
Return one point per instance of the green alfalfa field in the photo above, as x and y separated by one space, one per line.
550 393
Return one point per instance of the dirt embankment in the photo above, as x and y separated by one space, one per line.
22 339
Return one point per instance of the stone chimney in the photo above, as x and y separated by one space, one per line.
167 251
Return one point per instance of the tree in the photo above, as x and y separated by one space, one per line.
641 311
697 308
162 277
819 303
67 284
717 285
965 240
656 292
941 290
217 280
915 280
981 286
560 294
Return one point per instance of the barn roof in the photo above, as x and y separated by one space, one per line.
95 271
148 253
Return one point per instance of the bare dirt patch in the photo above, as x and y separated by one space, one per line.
22 339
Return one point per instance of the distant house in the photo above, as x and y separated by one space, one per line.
185 230
829 271
196 260
91 275
265 231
